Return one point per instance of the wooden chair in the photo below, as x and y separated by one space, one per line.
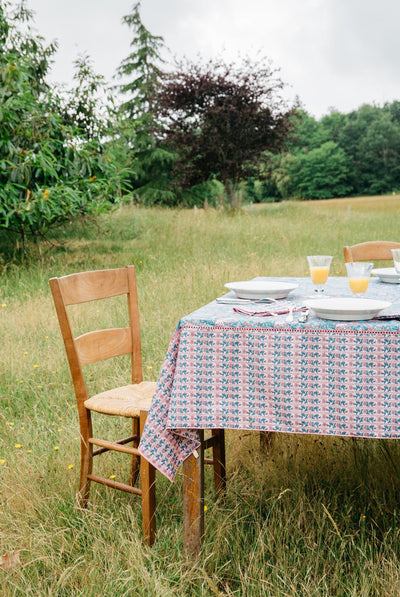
130 401
376 250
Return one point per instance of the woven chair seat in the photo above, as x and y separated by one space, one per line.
126 401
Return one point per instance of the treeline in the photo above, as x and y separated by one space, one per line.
195 134
340 155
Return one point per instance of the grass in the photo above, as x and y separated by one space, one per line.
318 516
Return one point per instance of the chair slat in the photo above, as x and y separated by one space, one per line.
94 285
103 344
375 250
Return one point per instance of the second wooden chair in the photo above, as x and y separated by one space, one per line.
375 250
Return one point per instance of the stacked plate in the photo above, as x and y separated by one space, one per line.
260 289
387 274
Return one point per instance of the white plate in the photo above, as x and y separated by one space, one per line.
346 309
257 289
387 274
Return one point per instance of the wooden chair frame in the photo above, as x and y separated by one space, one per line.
98 345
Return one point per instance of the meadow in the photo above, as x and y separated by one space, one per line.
317 516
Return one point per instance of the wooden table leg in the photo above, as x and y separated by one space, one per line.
266 439
193 502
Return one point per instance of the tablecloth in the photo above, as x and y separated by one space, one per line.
233 371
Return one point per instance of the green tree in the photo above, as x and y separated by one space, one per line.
149 163
380 151
49 172
317 174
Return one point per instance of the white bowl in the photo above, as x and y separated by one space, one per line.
258 289
346 309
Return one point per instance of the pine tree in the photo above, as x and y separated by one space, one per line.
149 164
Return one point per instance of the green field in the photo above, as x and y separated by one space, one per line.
318 516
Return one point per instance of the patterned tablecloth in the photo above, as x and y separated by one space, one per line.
234 371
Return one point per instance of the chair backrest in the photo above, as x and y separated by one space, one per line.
376 250
98 345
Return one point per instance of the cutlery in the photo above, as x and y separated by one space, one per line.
235 300
303 317
266 313
289 318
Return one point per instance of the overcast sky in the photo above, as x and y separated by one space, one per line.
332 53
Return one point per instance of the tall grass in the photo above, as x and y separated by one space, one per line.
317 516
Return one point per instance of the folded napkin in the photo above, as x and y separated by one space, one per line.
267 311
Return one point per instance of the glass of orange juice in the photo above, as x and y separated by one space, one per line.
319 270
358 274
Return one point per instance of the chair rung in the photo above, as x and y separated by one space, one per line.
126 440
208 461
114 446
115 484
210 442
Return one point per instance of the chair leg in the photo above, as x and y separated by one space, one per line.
148 478
135 460
86 461
219 462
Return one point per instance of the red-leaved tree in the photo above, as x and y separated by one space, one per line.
219 118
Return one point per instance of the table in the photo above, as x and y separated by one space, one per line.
233 371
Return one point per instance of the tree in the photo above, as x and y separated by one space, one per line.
219 118
317 174
143 63
149 164
87 106
50 172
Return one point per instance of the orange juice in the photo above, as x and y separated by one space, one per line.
319 275
358 285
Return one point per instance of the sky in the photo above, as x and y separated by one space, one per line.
332 54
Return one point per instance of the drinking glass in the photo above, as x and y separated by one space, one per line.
319 270
396 260
358 274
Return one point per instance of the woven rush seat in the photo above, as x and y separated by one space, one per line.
126 401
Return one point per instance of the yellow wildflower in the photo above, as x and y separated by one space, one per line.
35 366
2 461
18 446
46 193
4 305
112 476
56 448
92 178
70 466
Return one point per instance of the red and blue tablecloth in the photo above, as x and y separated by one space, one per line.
233 371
